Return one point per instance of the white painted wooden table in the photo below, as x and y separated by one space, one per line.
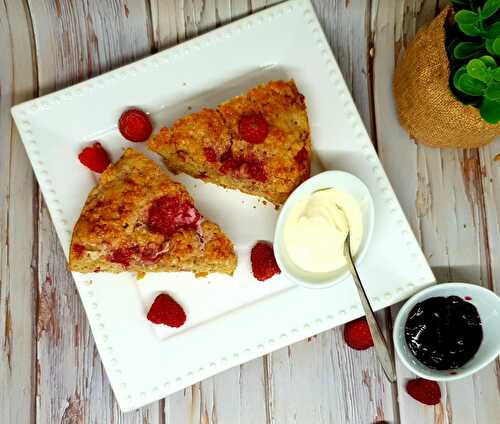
50 371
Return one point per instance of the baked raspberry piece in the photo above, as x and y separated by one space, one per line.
95 157
151 253
210 154
258 143
425 391
264 264
169 213
135 125
123 255
248 168
253 128
166 311
78 249
357 334
303 161
137 219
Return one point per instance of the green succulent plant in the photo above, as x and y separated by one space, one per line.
473 45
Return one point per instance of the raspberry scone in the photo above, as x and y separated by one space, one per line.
258 142
138 219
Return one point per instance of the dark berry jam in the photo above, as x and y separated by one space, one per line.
443 332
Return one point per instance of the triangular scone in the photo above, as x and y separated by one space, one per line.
138 219
208 144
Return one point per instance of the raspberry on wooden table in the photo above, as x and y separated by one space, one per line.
357 334
425 391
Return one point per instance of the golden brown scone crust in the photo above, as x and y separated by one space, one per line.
284 156
112 233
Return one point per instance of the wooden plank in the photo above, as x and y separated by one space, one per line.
76 40
347 27
442 194
487 383
176 20
17 215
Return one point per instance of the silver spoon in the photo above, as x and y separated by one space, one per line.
383 354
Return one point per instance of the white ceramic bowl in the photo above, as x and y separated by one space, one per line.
488 306
338 179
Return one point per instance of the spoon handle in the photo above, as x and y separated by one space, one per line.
383 354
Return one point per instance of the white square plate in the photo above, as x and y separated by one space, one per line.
230 320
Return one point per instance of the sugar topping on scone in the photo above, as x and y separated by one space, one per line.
258 142
138 219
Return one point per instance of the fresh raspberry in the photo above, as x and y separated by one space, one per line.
264 264
167 311
253 128
425 391
167 214
357 334
210 154
95 158
135 125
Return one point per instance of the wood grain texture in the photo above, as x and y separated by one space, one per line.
441 192
17 220
76 40
50 371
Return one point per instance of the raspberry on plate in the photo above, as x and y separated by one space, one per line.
167 311
264 264
357 334
135 125
95 157
253 128
425 391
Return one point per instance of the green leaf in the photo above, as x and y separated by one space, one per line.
489 8
490 111
492 92
477 69
460 2
493 31
471 86
496 74
496 46
470 29
458 73
489 45
466 17
488 61
466 49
